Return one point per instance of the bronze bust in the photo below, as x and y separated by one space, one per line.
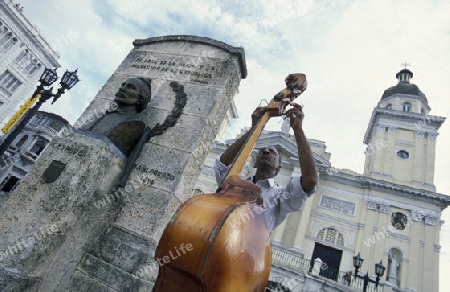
122 125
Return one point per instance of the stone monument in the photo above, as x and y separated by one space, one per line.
67 227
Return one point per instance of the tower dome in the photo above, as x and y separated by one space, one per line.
404 87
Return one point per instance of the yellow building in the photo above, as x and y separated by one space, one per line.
390 213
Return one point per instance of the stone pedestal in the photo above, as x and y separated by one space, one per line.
116 252
392 280
57 212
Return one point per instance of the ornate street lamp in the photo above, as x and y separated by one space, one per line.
68 81
47 78
357 263
379 270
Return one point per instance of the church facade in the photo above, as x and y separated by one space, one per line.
390 214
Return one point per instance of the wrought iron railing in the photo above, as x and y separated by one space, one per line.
286 258
289 259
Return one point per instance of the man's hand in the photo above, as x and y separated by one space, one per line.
257 114
296 116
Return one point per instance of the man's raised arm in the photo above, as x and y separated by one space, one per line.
306 159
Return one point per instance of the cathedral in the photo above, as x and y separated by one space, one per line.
388 215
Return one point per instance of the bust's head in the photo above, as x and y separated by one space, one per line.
134 91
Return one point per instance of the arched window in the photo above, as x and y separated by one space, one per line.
330 235
394 267
21 141
406 106
38 147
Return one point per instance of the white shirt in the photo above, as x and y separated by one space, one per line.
278 201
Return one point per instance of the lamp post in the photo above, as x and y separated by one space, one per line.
357 263
379 271
47 78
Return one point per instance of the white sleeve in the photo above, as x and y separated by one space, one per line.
220 170
294 196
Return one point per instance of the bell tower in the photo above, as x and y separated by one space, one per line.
401 136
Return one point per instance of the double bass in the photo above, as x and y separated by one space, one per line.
220 242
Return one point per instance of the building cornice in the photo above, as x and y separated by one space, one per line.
365 182
31 33
413 118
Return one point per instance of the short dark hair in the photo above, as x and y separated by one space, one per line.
280 158
145 94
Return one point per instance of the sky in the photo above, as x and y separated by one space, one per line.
350 52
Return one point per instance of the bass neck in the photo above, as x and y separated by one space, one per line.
295 85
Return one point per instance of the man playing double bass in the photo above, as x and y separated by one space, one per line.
278 200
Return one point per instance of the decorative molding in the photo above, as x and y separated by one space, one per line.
432 136
437 247
430 220
392 129
339 205
399 237
420 134
374 205
384 208
421 243
417 215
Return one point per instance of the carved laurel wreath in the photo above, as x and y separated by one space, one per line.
176 112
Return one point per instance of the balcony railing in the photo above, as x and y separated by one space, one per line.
286 258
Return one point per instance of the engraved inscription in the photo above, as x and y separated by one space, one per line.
334 204
196 69
155 173
77 150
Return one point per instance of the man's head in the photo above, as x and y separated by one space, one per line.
134 91
268 160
